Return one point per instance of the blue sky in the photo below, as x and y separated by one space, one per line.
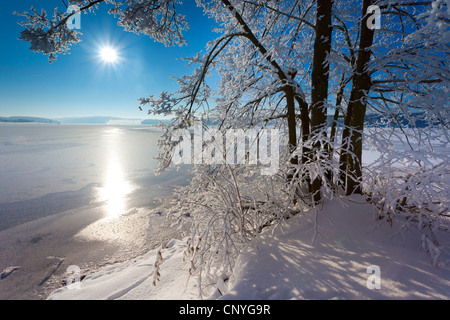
80 84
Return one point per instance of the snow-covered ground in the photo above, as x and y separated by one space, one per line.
334 254
81 194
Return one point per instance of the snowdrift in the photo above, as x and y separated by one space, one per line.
329 254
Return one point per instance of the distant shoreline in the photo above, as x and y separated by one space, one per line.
23 119
97 120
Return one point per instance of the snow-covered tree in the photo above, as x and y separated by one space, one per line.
288 65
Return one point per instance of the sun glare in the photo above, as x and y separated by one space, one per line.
109 55
116 187
115 191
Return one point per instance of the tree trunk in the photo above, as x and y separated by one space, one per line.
329 173
351 154
292 125
305 123
339 97
319 82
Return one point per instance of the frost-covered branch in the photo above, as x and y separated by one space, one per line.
157 19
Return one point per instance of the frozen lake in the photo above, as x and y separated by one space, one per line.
84 196
75 195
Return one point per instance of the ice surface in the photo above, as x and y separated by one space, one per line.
75 192
36 160
7 271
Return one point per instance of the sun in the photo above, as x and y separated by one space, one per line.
109 55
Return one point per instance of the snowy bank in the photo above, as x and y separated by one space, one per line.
348 240
323 256
133 279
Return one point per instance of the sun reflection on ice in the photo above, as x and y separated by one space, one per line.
115 191
115 186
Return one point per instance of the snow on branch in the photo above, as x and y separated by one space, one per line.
53 36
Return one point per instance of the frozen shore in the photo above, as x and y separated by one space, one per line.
59 185
285 264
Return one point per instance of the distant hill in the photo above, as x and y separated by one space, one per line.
371 119
91 120
108 120
21 119
83 120
154 121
